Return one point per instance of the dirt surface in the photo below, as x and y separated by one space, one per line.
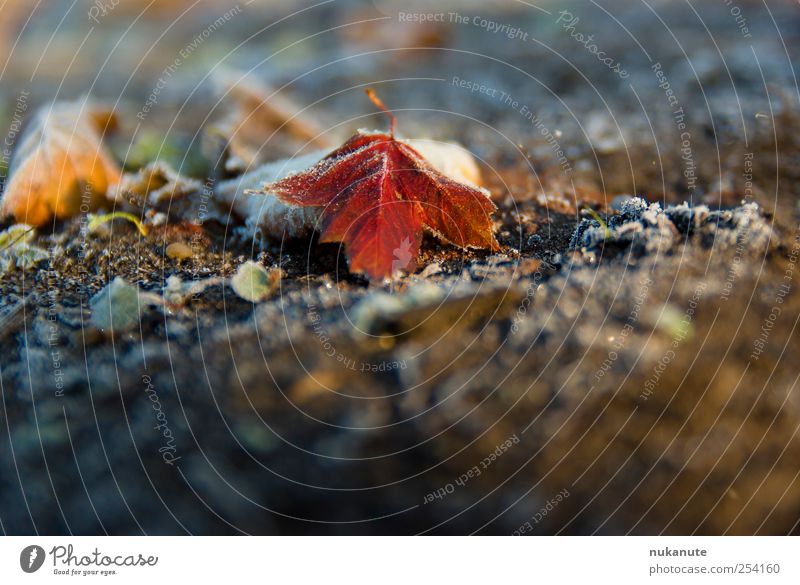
623 365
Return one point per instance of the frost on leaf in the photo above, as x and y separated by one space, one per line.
377 195
60 164
155 185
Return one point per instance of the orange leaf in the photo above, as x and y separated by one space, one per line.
60 165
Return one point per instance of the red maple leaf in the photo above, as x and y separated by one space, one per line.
377 195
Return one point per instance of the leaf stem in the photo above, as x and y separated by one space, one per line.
381 106
98 220
598 219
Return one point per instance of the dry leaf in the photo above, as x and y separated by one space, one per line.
60 164
256 111
266 214
153 185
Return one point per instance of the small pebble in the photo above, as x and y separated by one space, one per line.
116 307
431 269
179 251
253 283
